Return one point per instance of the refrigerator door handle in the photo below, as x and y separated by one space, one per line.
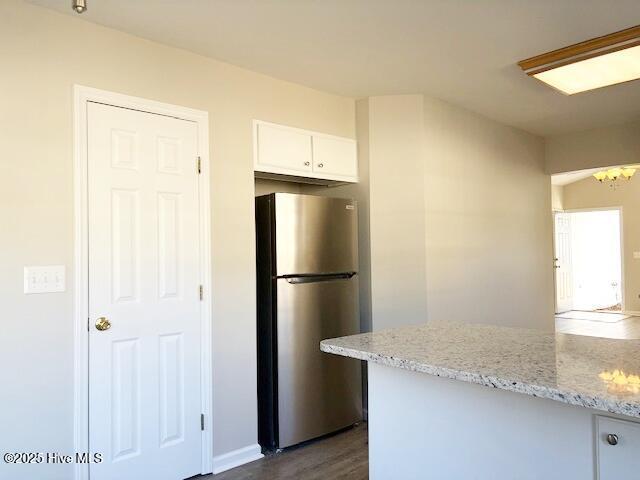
296 279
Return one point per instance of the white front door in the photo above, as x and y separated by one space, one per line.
144 370
562 262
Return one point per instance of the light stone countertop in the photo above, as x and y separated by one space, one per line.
573 369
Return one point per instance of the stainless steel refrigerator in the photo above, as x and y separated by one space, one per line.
307 286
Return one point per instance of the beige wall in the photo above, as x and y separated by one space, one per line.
395 156
43 55
488 221
557 197
600 147
587 194
461 225
264 187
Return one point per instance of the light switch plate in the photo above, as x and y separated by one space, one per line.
636 255
44 279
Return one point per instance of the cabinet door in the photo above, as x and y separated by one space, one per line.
333 156
618 457
282 149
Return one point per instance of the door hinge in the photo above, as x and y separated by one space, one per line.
199 165
88 324
201 290
202 422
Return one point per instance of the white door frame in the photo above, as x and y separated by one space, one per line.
621 218
82 96
555 260
553 256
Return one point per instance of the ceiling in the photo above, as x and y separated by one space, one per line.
562 179
461 51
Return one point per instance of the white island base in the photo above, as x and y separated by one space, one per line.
426 427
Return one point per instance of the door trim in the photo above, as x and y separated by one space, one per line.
556 310
81 96
553 260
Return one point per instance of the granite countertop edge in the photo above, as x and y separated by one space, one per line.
575 398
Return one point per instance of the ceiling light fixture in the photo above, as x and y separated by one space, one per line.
595 63
80 6
613 174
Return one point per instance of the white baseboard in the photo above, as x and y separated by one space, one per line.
235 458
632 312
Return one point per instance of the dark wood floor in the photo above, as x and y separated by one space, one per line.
341 456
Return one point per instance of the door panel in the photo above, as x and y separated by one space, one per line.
169 244
317 393
315 234
144 371
125 263
125 387
171 389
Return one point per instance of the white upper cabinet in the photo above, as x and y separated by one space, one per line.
335 156
281 149
303 156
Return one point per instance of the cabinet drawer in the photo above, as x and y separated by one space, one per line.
618 449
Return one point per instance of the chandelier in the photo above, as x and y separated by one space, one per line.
614 174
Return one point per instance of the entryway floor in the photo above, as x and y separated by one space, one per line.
626 329
594 316
341 456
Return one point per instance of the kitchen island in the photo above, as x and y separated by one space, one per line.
559 406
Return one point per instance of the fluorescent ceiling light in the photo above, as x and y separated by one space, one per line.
588 65
617 67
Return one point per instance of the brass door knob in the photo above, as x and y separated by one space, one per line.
103 324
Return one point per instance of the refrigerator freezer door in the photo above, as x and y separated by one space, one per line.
315 235
318 393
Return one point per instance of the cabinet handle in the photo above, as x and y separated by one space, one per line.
306 164
612 439
320 165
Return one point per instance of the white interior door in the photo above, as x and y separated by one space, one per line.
563 268
144 371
